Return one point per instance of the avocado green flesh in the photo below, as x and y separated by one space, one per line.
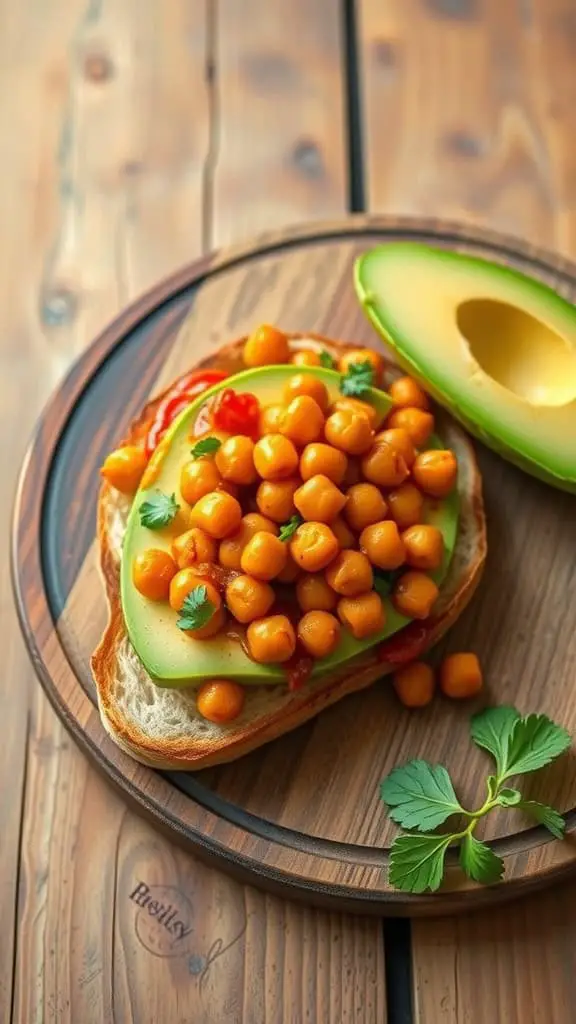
171 657
495 347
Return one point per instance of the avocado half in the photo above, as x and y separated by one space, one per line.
496 348
171 657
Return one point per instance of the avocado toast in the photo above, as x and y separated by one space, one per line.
156 719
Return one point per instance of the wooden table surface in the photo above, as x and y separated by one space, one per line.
138 134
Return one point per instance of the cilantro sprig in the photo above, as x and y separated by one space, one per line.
421 796
288 529
206 446
158 510
197 609
357 380
327 360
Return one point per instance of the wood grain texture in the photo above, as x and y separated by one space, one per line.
468 112
335 848
516 965
278 149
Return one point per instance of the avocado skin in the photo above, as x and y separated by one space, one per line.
489 434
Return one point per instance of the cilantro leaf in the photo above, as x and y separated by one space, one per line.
206 446
480 862
158 510
544 815
357 380
289 528
534 742
197 609
384 580
420 795
327 360
417 862
491 729
509 797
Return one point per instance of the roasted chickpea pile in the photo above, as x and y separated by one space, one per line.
289 531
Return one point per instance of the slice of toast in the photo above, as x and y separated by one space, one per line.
161 727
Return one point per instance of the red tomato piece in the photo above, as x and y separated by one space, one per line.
236 413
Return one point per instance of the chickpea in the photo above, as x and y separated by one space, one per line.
365 505
255 523
363 355
319 633
350 574
271 640
181 586
230 550
264 556
460 675
400 441
384 466
275 498
383 545
349 431
302 420
266 346
220 700
319 500
306 384
123 468
152 571
184 582
414 595
405 391
322 458
270 419
290 572
313 593
424 546
406 504
357 405
306 357
218 514
313 546
435 472
249 599
193 546
414 684
275 457
362 615
235 460
417 423
197 478
343 533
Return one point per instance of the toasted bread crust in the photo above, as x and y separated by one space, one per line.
307 702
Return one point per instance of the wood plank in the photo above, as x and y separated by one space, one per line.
464 115
516 965
139 119
278 150
26 41
468 113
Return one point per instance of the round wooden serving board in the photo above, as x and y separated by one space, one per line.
303 815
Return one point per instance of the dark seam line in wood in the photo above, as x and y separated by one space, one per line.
397 934
213 103
19 869
353 107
